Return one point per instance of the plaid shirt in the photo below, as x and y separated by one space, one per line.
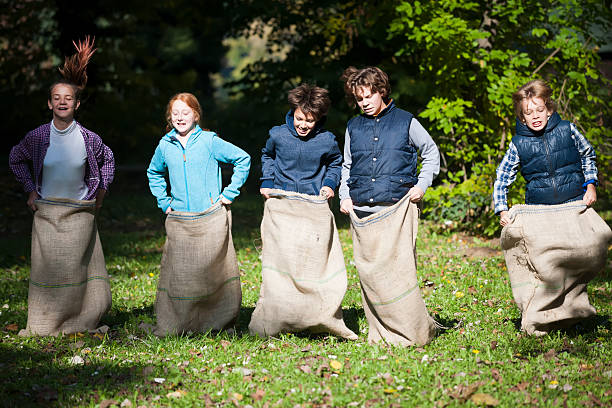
99 171
508 168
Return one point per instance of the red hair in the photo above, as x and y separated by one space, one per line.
74 71
190 100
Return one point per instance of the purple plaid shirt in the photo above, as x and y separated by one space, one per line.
99 171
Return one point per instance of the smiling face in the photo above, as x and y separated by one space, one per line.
183 117
370 103
535 113
303 122
63 103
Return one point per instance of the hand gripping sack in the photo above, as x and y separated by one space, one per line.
552 252
303 274
69 288
385 255
199 285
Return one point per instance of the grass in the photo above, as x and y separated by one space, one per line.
484 359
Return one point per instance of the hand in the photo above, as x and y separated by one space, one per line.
168 210
100 198
327 192
504 219
591 195
224 200
265 192
31 198
416 194
346 205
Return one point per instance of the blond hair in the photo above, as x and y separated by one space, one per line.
532 89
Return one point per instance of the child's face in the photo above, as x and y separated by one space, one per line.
183 117
62 102
370 103
535 113
303 122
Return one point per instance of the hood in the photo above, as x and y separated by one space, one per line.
523 130
317 129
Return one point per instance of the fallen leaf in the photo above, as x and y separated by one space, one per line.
176 394
208 401
496 375
126 403
306 369
493 345
388 378
484 399
159 380
258 395
335 365
472 290
12 327
77 360
77 345
108 403
238 396
225 344
550 354
389 390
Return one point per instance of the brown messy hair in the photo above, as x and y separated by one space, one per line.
310 99
74 70
190 100
368 77
532 89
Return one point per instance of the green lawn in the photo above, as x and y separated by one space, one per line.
482 359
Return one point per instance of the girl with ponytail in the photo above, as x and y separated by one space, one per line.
68 160
65 169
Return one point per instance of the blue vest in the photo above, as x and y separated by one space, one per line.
550 162
384 162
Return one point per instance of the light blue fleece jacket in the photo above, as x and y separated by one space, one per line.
194 172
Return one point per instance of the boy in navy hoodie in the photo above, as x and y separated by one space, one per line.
300 155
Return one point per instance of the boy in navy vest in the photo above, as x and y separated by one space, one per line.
381 146
300 155
556 160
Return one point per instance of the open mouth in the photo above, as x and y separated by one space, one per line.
536 124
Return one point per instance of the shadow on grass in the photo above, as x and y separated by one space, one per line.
45 376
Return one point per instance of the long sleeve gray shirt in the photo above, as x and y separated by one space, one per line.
430 157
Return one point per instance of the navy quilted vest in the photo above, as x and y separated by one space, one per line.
384 162
550 162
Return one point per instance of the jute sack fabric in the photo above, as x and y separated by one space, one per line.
384 248
199 284
303 274
552 252
69 289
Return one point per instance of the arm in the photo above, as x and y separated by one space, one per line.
106 164
333 161
506 174
20 156
346 204
268 166
157 182
430 157
589 165
228 153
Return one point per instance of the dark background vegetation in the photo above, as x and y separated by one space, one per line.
454 63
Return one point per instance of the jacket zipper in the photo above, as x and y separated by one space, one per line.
185 174
550 168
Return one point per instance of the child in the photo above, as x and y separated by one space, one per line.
199 285
554 245
69 290
300 155
379 187
190 157
304 277
569 173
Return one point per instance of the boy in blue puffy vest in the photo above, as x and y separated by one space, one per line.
300 155
381 147
556 160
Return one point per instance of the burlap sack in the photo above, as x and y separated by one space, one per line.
552 252
304 277
69 289
199 284
384 248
